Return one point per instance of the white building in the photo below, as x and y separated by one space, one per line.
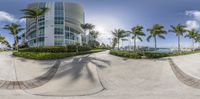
60 26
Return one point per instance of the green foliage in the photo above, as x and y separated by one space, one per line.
72 48
52 49
14 30
93 43
127 54
149 55
48 55
155 55
119 34
56 49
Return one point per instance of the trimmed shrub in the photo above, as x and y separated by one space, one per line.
71 48
84 48
155 55
56 49
149 55
52 49
127 54
47 55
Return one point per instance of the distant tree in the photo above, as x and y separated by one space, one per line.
119 34
3 41
137 34
156 31
87 27
114 42
14 30
179 30
193 35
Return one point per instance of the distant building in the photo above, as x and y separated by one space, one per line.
60 26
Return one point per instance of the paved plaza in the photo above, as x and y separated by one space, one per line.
100 76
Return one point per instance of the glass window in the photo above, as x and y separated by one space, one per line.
58 31
72 36
67 35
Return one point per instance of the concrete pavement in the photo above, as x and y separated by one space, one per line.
86 76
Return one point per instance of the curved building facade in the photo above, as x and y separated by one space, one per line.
59 26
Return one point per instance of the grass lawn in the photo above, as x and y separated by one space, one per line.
48 55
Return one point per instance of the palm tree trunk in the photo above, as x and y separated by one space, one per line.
15 41
36 26
179 46
118 43
17 46
193 45
135 44
155 41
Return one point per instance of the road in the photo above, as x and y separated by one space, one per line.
103 76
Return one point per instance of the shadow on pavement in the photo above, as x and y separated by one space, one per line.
75 68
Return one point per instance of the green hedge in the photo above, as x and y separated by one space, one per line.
56 49
47 55
149 55
72 48
52 49
155 55
126 54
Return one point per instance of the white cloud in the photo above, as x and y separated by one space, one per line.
6 17
194 13
192 24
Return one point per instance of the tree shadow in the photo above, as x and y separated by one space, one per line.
80 66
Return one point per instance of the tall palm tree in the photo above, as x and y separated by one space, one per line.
4 41
34 13
197 39
118 34
90 28
14 30
193 35
93 34
179 30
87 27
123 39
114 42
156 31
137 34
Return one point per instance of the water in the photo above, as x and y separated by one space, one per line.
165 50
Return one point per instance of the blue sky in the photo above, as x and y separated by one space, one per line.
110 14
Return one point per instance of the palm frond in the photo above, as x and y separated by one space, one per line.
149 37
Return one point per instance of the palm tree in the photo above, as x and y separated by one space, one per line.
85 28
118 34
89 27
156 31
179 30
34 13
4 41
14 30
192 34
197 39
123 39
114 42
137 34
93 34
